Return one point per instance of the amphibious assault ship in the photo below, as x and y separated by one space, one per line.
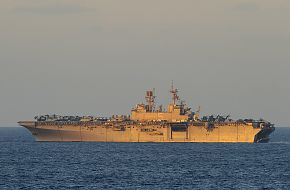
150 124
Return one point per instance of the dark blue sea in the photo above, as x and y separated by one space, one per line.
25 164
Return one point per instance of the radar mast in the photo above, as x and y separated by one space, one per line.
150 99
174 92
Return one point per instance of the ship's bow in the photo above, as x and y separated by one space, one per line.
30 125
27 124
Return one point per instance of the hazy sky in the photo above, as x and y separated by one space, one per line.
98 57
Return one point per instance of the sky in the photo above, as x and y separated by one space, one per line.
99 57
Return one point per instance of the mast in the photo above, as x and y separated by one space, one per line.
174 92
197 114
150 99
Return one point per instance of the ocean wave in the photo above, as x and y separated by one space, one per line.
280 142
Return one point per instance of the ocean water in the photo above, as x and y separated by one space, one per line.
25 164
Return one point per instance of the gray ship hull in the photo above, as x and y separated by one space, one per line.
151 133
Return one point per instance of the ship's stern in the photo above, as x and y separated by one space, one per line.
264 135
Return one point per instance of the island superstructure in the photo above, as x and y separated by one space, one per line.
150 124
